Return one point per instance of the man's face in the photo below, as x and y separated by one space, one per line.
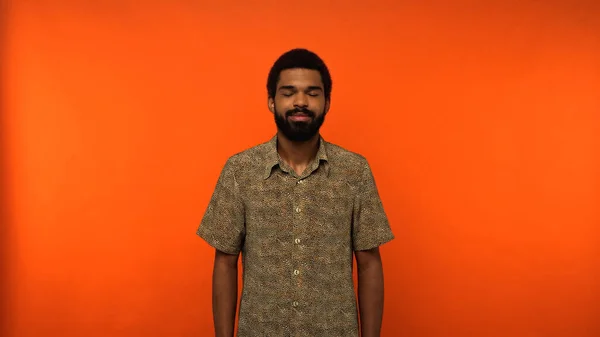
299 104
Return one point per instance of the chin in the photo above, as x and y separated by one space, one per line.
301 139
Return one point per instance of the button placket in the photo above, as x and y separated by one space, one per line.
297 259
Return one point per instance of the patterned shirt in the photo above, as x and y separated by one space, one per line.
297 235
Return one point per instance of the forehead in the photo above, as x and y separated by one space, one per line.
300 78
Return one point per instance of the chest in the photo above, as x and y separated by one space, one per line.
283 207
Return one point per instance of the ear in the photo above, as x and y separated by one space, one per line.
327 105
271 104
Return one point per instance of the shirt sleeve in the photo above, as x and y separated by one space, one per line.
223 224
370 226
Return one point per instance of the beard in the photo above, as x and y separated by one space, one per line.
299 131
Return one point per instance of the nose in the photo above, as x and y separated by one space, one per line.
300 100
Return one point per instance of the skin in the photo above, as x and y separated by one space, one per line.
224 294
370 291
299 89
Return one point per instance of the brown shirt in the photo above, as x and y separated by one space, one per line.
297 235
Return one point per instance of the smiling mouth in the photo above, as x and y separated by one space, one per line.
299 117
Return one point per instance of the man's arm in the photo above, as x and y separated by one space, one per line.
370 291
223 228
224 293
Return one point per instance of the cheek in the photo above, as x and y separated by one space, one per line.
284 104
280 108
318 106
281 103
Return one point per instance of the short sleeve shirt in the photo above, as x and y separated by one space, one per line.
297 235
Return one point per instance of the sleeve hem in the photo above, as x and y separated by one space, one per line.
213 242
373 244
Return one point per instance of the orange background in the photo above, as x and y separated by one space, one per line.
481 120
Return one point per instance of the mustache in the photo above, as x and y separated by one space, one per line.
300 110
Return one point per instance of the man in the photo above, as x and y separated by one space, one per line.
297 208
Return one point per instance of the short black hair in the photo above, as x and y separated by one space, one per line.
298 58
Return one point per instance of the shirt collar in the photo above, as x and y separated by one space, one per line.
272 157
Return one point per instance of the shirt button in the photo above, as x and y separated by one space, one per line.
297 241
296 272
294 304
297 209
300 181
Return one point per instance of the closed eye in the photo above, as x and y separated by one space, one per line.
289 90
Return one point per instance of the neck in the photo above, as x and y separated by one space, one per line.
297 153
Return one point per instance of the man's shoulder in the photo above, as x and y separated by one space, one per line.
254 155
257 156
345 158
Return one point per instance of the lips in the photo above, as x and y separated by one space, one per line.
300 117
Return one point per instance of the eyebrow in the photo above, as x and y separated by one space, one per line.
291 87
